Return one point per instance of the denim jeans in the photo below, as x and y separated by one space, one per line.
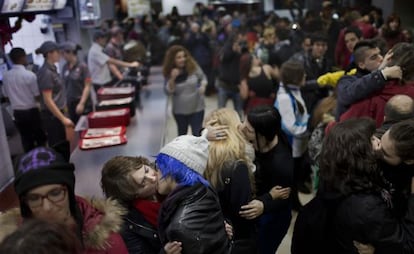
224 94
195 120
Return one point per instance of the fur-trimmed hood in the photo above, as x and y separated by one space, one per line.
101 220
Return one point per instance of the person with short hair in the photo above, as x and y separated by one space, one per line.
132 181
400 107
98 61
21 88
371 76
45 186
399 74
38 237
191 212
114 49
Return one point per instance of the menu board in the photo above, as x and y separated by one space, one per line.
18 6
38 5
10 6
59 4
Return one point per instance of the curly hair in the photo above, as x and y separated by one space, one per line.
169 60
348 163
116 177
225 152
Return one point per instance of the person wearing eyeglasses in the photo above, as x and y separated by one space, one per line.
45 184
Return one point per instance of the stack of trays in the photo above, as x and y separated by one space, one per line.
102 137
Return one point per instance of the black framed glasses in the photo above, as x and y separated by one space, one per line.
55 195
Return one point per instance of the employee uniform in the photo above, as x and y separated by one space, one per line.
75 79
20 86
98 66
49 79
114 51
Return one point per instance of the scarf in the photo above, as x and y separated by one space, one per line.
149 209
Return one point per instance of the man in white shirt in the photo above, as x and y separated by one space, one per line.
21 89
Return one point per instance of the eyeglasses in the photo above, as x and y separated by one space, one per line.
55 195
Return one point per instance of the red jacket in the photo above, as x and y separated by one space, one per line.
373 106
102 221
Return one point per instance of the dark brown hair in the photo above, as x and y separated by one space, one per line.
403 56
41 237
292 73
348 163
116 179
402 135
327 105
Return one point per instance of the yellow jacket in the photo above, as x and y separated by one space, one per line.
332 78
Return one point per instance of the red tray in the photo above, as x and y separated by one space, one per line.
103 132
111 93
109 118
127 102
95 143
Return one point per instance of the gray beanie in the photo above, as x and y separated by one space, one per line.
190 150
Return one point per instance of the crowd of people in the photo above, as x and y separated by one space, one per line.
323 105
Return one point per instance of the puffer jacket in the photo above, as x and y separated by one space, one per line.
102 219
192 216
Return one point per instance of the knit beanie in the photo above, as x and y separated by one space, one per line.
43 166
190 150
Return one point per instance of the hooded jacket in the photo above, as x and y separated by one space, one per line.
374 105
102 219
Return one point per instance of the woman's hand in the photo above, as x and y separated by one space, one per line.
80 108
173 248
252 210
229 230
364 248
278 192
215 133
202 89
174 73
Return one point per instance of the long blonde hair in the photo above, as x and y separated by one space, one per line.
228 151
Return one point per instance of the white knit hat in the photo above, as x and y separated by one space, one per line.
190 150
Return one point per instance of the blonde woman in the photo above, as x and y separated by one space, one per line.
229 173
186 82
229 170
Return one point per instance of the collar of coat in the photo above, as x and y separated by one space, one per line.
95 235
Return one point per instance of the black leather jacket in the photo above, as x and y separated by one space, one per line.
192 216
139 236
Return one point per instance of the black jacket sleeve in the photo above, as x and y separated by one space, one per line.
373 222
